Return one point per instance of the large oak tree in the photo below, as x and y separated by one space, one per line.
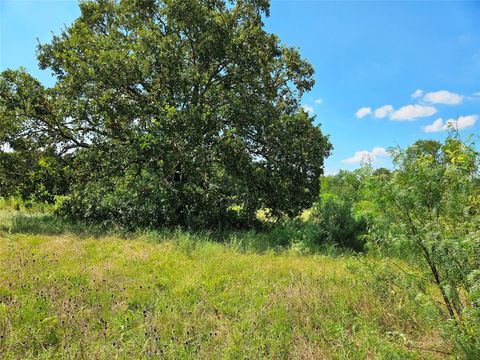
173 113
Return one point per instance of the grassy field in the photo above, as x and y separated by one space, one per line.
182 296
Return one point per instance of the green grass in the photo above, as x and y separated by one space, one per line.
176 295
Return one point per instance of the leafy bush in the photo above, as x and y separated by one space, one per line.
33 175
337 222
431 211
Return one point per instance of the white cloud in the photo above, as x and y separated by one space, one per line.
358 157
411 112
462 122
308 109
379 151
364 111
436 126
443 97
383 111
417 93
318 101
366 156
477 93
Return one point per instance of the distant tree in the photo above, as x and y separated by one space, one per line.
337 223
37 175
346 184
382 172
173 113
425 148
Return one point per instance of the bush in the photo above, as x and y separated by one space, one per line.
338 224
431 212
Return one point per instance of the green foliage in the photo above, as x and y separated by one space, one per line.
34 175
32 168
337 222
172 113
186 114
431 212
347 185
342 210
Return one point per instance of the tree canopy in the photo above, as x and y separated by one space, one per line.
171 113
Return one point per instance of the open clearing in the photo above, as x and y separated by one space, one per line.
66 296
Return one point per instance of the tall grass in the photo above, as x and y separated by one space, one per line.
70 290
177 295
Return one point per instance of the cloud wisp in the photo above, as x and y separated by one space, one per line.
405 113
424 108
362 112
443 97
383 111
413 112
365 156
460 123
308 109
417 93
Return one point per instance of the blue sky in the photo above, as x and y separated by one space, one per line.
369 59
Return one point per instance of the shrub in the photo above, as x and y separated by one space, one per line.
431 212
337 222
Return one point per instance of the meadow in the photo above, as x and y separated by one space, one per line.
167 195
67 293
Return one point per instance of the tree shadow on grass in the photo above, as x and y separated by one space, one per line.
49 224
296 237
